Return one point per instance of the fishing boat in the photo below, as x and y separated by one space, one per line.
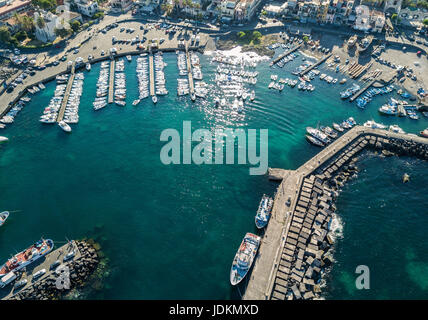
314 141
343 81
374 125
88 67
350 91
329 131
27 256
193 96
318 135
129 58
424 133
244 258
120 103
41 86
264 212
135 102
3 139
3 217
64 126
337 127
352 41
154 99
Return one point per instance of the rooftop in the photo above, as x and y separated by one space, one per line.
12 5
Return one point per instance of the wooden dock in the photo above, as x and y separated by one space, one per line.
189 73
290 254
111 82
277 59
152 75
66 94
355 96
319 62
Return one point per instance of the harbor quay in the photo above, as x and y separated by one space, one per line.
65 268
297 244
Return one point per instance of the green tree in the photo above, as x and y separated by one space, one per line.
99 15
75 25
305 39
4 34
425 22
256 36
62 32
241 34
21 35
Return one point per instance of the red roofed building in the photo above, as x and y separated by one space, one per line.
9 7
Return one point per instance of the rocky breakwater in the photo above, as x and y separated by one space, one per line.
399 147
80 270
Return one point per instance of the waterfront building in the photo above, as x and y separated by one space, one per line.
246 9
392 6
121 5
227 10
9 7
46 32
149 6
369 19
86 7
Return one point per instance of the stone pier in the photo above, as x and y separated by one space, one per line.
297 244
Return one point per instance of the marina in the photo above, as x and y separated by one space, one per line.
231 90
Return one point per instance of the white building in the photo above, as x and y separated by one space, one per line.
151 5
121 5
51 22
87 7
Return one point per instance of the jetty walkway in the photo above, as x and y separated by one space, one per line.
111 82
295 244
361 91
66 94
286 53
319 62
189 73
152 75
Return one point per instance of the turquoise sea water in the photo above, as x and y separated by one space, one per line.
171 232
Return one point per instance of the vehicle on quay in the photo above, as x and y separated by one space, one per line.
27 256
244 258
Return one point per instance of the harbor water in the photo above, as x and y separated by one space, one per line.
171 231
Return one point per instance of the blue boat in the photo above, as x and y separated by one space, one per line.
264 212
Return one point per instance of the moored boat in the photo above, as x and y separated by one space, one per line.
64 126
3 217
264 212
88 67
154 99
244 258
314 141
27 256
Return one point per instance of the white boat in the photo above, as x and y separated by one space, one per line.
129 58
88 67
135 102
3 139
252 95
3 217
154 99
64 126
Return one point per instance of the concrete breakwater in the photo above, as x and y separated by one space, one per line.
70 274
298 245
